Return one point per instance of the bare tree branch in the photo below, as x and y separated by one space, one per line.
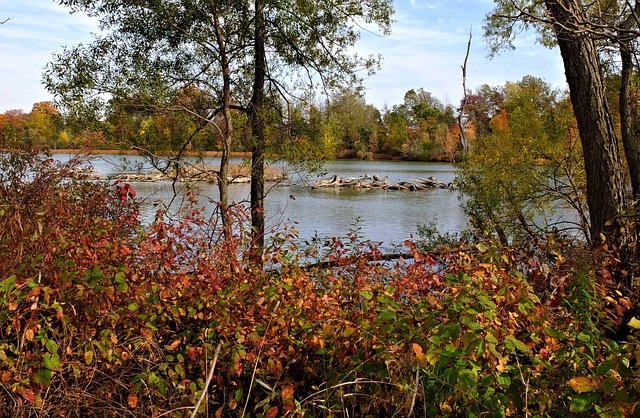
463 137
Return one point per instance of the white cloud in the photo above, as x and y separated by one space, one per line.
35 31
426 49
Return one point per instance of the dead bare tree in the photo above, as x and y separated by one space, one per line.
461 122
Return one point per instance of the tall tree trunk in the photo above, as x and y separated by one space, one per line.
628 132
223 175
258 143
626 128
605 180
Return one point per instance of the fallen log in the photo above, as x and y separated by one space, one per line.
373 182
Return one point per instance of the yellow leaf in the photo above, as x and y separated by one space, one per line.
29 334
583 384
502 364
88 357
634 323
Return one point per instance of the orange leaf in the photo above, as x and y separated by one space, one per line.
287 392
132 400
29 334
272 412
417 348
583 384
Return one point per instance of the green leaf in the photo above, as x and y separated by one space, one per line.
388 315
366 294
604 367
238 394
504 380
122 287
51 362
582 402
264 385
467 379
513 343
121 282
133 306
44 377
51 346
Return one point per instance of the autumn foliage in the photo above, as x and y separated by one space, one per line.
100 316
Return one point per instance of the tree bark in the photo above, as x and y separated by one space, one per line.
626 127
604 173
258 143
223 175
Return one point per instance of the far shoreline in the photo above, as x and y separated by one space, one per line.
217 154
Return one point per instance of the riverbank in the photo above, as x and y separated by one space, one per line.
87 151
341 155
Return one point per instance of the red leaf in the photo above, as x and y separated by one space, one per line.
272 412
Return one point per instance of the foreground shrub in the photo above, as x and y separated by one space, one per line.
100 317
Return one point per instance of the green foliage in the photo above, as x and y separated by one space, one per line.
99 317
528 163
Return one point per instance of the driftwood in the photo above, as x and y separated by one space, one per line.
390 257
373 182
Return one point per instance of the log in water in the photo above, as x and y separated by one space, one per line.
374 182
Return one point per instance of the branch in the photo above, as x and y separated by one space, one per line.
389 257
463 138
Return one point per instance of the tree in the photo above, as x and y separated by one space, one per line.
12 128
427 122
527 163
577 28
273 49
160 60
45 124
357 122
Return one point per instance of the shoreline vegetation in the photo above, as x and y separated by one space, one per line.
236 154
103 316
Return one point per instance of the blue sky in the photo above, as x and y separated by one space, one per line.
425 50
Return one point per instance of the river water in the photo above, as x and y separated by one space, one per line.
388 217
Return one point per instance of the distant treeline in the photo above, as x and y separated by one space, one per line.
422 128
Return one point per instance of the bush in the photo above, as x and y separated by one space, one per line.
100 317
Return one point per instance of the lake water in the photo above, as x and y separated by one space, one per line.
389 217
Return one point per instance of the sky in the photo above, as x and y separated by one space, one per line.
426 50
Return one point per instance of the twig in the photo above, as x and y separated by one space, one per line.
209 377
463 137
255 366
415 393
